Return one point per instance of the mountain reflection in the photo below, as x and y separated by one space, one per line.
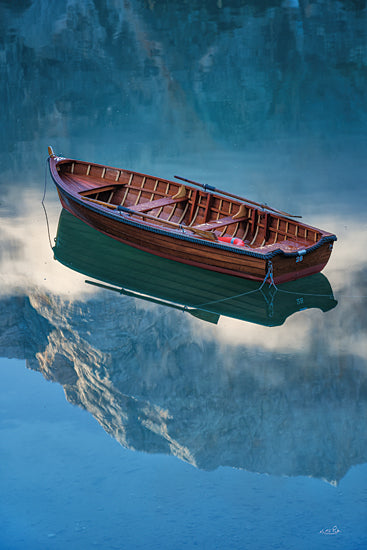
160 381
157 384
263 92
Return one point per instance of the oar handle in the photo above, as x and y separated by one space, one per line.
203 185
247 201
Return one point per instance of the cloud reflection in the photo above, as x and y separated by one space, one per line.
283 400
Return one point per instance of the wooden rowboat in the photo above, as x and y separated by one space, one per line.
203 227
199 292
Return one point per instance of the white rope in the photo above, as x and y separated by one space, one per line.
269 275
43 203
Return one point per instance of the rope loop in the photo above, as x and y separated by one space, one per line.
269 275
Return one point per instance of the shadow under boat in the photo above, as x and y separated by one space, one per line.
205 294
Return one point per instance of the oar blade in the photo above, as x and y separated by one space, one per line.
207 316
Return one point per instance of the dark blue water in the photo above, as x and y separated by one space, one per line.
127 424
65 482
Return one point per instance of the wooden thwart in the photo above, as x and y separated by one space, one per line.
200 232
158 203
228 220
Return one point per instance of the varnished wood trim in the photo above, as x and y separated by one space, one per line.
277 231
235 230
219 209
124 197
195 216
184 213
207 207
246 231
266 226
140 190
172 212
100 190
154 190
256 233
241 212
181 193
193 199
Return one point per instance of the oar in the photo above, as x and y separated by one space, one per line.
200 232
200 314
214 189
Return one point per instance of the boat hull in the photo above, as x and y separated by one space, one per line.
141 275
196 253
278 249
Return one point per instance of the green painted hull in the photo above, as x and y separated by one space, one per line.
87 251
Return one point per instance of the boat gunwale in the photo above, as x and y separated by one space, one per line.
122 217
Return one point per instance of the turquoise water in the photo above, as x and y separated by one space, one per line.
68 483
131 424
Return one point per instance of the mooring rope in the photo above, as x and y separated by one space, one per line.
43 203
269 275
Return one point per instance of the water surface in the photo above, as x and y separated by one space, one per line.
130 423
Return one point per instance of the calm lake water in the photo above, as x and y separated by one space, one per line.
128 423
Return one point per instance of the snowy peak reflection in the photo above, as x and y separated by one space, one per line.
160 381
204 294
155 384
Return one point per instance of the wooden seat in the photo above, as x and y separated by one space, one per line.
240 216
216 224
158 203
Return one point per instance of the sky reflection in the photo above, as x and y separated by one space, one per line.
134 365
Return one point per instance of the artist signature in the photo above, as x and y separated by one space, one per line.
333 531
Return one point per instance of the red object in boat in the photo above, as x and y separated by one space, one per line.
231 240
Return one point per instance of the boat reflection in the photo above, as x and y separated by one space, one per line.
202 293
